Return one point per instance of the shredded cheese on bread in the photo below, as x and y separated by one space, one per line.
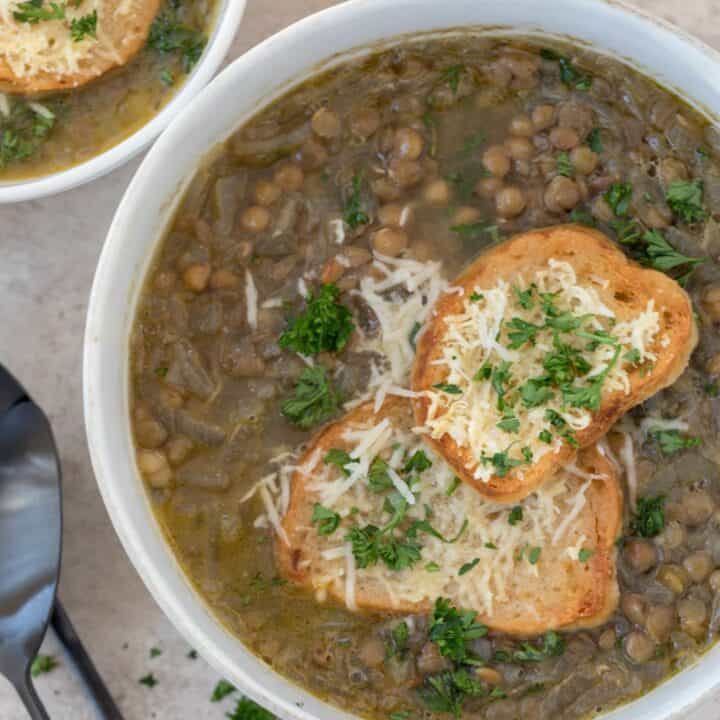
488 556
475 410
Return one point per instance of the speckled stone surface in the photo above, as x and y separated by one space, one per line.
48 251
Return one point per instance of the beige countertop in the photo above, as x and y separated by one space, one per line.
48 256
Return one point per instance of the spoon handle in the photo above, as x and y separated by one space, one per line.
70 639
30 699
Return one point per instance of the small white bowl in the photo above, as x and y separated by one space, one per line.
251 82
228 17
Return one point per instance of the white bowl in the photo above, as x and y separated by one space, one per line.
228 17
664 52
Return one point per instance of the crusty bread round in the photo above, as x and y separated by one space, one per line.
629 288
122 30
565 594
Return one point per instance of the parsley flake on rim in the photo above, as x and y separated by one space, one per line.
222 690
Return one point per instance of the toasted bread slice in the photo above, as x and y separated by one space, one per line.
44 56
523 574
472 331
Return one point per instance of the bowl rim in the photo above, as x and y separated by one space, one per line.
229 17
159 568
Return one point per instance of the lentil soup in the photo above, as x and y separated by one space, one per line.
292 285
47 132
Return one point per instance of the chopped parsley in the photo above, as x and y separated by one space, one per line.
627 232
418 462
446 691
569 74
552 645
524 297
315 399
168 36
632 356
712 389
649 518
85 26
516 515
325 326
452 75
685 199
353 213
510 424
412 337
502 463
340 459
448 388
22 134
565 165
399 635
432 567
521 332
582 216
43 664
618 197
473 142
33 11
545 436
585 554
155 652
246 709
222 690
672 441
594 140
326 520
534 555
661 255
378 476
167 78
451 629
474 230
468 566
370 545
148 680
454 485
536 391
475 296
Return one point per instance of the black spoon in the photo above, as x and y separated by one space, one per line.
30 544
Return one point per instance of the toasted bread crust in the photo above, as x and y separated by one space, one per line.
576 595
630 287
127 34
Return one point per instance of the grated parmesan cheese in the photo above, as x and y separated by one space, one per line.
551 512
251 299
473 338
